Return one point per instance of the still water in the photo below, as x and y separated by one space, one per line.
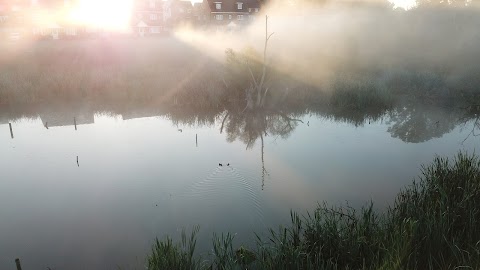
142 176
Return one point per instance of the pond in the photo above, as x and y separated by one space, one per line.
93 192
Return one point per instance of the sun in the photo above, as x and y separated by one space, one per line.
113 15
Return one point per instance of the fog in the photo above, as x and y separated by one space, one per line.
361 95
322 43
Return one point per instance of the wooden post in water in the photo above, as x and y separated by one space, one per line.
17 262
11 131
75 122
196 140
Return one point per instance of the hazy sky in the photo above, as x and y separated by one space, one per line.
398 3
403 3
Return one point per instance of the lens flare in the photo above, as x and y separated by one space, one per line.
111 15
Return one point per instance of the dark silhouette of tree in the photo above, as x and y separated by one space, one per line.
417 123
249 72
249 127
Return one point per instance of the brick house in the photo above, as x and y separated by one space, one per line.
228 12
147 18
201 13
178 12
13 20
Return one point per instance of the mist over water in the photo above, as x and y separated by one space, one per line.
117 141
319 44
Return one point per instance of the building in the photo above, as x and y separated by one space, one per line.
178 12
45 19
12 20
201 13
148 18
233 12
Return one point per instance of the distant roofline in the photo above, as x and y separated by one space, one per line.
239 12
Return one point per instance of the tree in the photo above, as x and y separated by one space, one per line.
443 3
248 72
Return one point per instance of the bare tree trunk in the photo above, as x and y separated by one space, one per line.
250 102
264 171
264 69
263 98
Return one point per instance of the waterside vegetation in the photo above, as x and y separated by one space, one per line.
433 224
157 77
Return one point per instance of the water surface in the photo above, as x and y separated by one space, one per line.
141 175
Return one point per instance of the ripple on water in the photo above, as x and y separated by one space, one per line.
227 187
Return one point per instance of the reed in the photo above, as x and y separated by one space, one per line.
433 224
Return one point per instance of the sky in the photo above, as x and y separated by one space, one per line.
406 4
98 13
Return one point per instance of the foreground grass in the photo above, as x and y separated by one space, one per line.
433 224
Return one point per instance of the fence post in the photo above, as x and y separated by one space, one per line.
17 262
11 131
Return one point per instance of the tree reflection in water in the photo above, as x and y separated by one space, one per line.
250 126
416 123
412 122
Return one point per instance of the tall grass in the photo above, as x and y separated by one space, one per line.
123 70
360 95
433 224
445 206
169 255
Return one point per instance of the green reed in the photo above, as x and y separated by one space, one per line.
433 224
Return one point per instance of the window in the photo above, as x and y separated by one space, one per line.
71 31
256 10
218 5
153 17
219 17
249 9
229 16
239 5
152 4
155 30
239 17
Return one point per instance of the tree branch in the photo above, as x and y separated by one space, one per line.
269 36
223 122
264 95
253 77
288 118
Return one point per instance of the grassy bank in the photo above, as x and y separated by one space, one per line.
170 71
168 76
433 224
108 71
